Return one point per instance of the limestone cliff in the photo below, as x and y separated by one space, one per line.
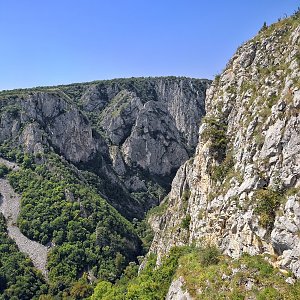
39 119
241 189
132 134
151 126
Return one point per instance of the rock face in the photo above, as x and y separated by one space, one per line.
132 133
176 291
151 126
155 143
154 122
241 191
41 119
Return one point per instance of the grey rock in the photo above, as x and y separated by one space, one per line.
155 143
290 280
71 133
9 126
101 124
117 160
33 139
176 291
263 137
134 184
296 99
281 106
120 116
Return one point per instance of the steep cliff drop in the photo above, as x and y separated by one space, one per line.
241 191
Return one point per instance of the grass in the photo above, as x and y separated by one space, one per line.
219 172
185 199
158 210
209 275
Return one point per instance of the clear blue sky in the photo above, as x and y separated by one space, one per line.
64 41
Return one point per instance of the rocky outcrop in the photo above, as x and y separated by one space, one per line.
151 125
67 129
132 133
153 122
155 144
177 291
242 189
47 118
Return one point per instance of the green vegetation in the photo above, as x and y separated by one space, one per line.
185 223
209 255
18 278
219 172
142 86
12 110
283 23
209 275
268 201
89 235
159 210
263 28
152 283
185 199
125 202
15 154
215 131
3 170
145 232
217 79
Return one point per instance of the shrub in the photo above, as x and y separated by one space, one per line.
3 170
57 207
264 27
209 255
185 198
267 202
215 131
152 283
219 172
185 223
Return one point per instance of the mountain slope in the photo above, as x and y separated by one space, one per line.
107 127
241 189
92 157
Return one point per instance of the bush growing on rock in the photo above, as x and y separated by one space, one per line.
215 131
3 170
268 201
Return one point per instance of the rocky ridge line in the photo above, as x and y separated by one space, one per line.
241 190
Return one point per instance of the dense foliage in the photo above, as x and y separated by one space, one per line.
18 278
207 275
151 284
57 208
3 170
